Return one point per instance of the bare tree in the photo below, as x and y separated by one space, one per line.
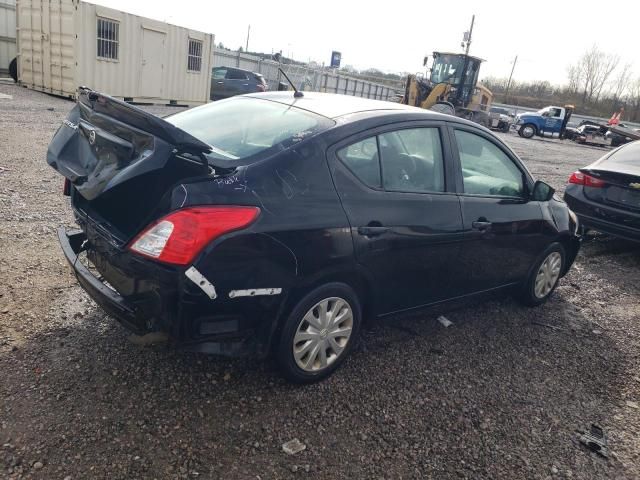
574 73
620 82
596 68
633 97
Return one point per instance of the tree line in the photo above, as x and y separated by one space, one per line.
597 84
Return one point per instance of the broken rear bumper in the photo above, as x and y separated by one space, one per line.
146 297
112 302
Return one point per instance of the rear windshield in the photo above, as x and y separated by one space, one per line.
243 128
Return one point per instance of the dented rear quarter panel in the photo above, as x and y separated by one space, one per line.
288 247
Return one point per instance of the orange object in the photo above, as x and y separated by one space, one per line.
615 118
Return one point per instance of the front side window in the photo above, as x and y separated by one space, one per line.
363 161
108 36
194 58
412 160
486 169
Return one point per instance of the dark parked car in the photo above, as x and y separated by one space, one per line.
606 194
272 223
227 82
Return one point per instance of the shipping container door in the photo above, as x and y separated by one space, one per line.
45 42
152 63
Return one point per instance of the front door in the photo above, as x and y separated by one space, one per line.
152 68
503 228
405 219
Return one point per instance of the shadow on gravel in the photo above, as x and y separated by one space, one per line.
497 395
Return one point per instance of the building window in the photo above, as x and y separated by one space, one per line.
194 60
108 38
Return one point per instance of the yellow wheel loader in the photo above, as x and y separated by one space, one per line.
451 88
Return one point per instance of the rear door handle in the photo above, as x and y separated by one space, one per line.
372 231
481 225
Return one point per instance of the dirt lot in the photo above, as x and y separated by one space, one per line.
495 396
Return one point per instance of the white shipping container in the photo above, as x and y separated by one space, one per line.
7 34
63 44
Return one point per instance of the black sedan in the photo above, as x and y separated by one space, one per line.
279 223
606 194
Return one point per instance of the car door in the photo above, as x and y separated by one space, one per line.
236 82
217 82
503 227
396 187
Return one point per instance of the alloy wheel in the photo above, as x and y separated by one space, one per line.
323 334
548 274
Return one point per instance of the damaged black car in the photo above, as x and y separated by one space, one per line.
278 223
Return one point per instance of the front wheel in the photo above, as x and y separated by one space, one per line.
528 130
543 278
319 333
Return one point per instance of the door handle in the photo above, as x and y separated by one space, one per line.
372 231
220 83
481 225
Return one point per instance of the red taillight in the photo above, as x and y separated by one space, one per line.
181 235
66 189
260 87
580 178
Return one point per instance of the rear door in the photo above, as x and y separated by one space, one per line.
395 184
503 228
236 82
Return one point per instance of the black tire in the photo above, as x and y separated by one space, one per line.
506 127
284 351
527 294
13 69
528 130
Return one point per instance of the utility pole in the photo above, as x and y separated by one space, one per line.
468 40
506 93
246 47
465 38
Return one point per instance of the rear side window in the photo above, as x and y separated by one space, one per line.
486 169
408 160
219 73
243 127
363 161
236 75
412 160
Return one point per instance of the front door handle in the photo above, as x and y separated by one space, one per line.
481 225
372 231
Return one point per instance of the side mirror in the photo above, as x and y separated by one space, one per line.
542 192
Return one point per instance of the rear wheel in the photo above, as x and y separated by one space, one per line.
319 333
528 130
543 278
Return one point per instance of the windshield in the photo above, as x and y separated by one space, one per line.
447 68
243 127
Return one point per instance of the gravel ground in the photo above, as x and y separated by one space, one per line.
495 396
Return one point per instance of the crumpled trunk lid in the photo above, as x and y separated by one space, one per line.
122 160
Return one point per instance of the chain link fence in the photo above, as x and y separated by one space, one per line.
304 77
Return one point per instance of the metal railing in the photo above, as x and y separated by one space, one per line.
304 77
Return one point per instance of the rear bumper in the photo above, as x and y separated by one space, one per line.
603 218
113 303
219 330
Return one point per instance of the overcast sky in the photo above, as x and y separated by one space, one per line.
395 36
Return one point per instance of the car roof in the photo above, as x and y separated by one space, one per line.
332 105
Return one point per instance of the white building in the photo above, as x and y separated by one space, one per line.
7 34
63 44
